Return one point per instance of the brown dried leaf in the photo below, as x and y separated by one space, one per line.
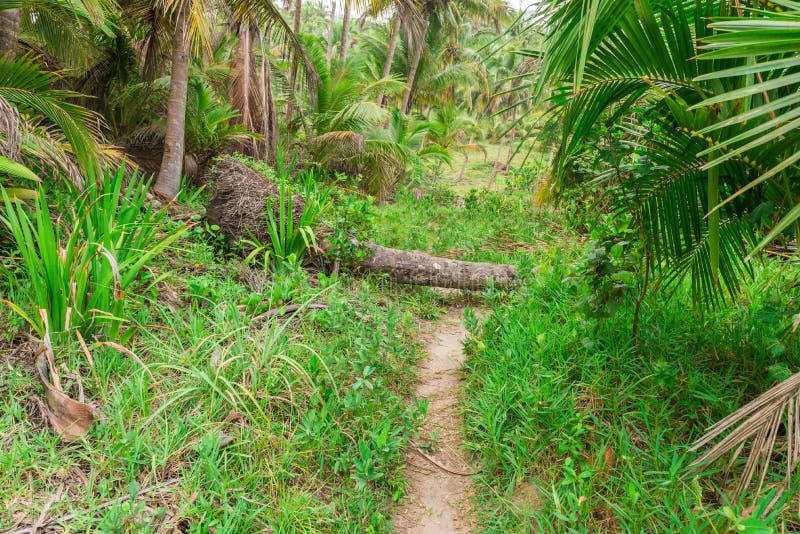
69 417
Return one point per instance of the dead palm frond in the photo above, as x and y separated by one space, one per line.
10 138
766 431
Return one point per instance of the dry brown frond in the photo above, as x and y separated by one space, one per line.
10 136
759 423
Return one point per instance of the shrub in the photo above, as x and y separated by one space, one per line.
80 266
290 239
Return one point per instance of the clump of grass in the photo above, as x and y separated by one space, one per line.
578 431
290 239
80 266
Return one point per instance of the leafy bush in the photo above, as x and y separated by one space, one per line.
79 267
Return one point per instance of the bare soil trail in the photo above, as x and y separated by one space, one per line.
437 501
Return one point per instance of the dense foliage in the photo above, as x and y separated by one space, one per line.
635 161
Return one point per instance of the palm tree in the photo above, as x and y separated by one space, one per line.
330 33
298 7
28 98
449 129
405 14
169 175
193 21
345 29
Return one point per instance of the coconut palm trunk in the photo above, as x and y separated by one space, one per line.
9 30
466 160
298 6
330 33
345 29
412 74
387 68
496 166
268 112
169 176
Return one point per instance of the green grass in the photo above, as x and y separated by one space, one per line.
576 431
478 171
316 408
299 426
486 226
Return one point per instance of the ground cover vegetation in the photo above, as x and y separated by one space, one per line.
634 162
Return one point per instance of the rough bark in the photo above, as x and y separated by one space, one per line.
269 143
9 31
169 176
418 268
330 33
387 68
412 74
242 196
345 29
298 8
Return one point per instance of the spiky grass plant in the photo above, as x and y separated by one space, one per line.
80 266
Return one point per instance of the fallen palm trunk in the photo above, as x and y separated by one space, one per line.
418 268
242 196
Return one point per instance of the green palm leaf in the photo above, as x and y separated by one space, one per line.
29 89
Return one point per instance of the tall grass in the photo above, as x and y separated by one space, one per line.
576 430
80 266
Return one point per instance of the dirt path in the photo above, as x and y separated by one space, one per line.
437 497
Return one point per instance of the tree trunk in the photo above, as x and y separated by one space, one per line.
387 68
418 268
412 74
169 177
298 6
268 111
242 198
345 29
511 148
330 33
496 165
242 85
9 31
466 160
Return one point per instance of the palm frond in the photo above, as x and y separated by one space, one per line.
25 86
766 431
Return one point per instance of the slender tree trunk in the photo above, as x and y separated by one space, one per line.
9 30
496 165
240 89
412 74
268 112
387 68
298 7
169 177
466 160
345 29
511 148
330 33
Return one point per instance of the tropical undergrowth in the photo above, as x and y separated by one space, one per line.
241 421
577 429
